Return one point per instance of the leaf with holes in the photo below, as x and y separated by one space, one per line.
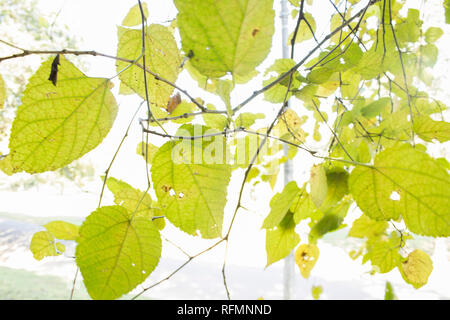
416 268
116 252
161 56
56 125
236 37
306 257
190 180
405 182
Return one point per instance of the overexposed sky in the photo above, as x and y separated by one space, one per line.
95 22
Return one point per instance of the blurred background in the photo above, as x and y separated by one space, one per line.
29 201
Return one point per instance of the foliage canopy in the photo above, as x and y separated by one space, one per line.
364 83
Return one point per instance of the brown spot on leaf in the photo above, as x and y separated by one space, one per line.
173 103
255 32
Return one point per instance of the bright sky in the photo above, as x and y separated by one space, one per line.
96 21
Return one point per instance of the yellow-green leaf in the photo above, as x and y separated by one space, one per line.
161 56
289 127
134 200
447 11
303 207
306 257
318 184
116 252
2 92
316 291
408 182
304 32
337 187
281 240
366 227
280 204
247 119
416 268
384 254
191 183
389 293
142 149
58 124
429 129
134 16
43 245
62 230
433 34
235 37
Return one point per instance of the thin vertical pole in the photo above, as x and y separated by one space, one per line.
289 264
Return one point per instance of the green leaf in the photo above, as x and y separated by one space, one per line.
318 184
389 293
409 30
303 207
192 187
134 200
375 108
280 204
433 34
447 11
428 129
223 90
58 124
289 127
62 230
134 17
216 121
320 75
183 108
236 36
371 64
384 254
277 93
304 33
416 268
429 54
306 257
247 119
161 56
337 187
366 227
316 291
328 223
116 252
43 245
143 148
2 92
408 182
281 240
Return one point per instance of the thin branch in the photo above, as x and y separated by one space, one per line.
28 52
73 284
116 153
332 131
302 61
